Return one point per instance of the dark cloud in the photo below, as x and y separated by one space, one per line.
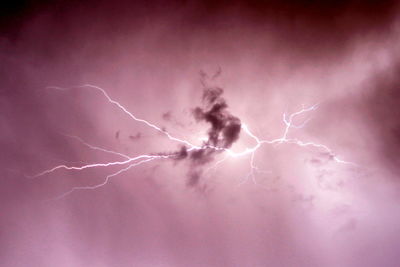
383 110
225 128
202 156
223 132
182 153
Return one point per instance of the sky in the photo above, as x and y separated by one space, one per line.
268 133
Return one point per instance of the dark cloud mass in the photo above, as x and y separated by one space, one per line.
225 128
224 131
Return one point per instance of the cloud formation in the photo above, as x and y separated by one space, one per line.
225 128
223 132
300 209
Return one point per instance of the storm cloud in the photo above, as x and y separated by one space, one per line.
286 206
225 128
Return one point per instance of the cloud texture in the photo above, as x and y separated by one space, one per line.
300 208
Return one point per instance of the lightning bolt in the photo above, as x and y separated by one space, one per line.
127 162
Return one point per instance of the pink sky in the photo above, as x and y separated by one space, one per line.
301 209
